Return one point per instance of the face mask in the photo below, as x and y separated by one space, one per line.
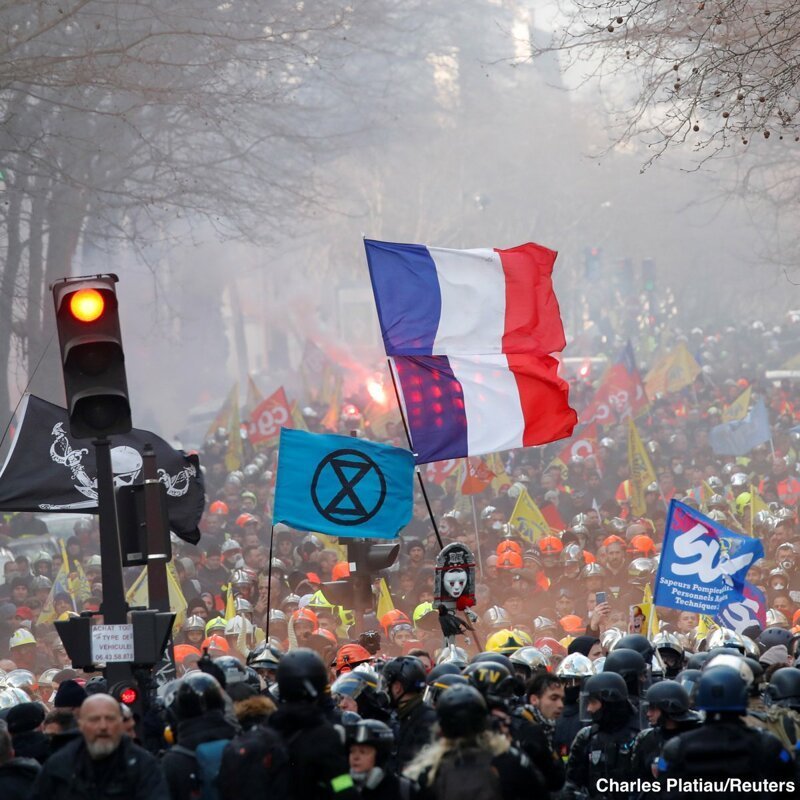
678 469
778 586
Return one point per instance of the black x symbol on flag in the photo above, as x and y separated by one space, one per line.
333 488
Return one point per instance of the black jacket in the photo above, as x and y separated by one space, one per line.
130 773
413 729
317 755
31 744
179 768
17 777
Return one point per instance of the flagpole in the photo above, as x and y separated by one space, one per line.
269 579
416 466
477 538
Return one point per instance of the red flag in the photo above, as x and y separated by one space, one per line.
621 393
439 471
475 476
583 444
267 418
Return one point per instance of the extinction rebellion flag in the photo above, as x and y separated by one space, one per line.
47 470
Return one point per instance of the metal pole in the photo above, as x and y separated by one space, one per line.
477 538
411 447
157 555
114 607
269 579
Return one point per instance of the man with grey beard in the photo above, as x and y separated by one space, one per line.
102 762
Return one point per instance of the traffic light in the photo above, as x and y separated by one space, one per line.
368 558
126 692
649 274
92 357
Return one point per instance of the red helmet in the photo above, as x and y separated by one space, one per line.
218 507
349 656
551 647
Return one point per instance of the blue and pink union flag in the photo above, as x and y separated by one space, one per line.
703 567
469 334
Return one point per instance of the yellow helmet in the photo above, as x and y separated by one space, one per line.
508 641
420 611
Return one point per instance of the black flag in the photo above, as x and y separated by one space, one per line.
46 470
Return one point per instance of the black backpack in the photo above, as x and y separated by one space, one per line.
469 774
255 764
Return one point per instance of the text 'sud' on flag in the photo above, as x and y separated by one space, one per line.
47 470
342 485
458 406
703 565
435 301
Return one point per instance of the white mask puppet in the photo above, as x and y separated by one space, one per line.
454 582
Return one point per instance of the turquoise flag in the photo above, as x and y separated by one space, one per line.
343 486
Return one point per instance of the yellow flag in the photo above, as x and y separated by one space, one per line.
385 604
138 595
756 505
528 520
672 372
177 602
297 418
640 469
60 585
224 414
254 395
230 605
501 477
334 399
738 408
234 455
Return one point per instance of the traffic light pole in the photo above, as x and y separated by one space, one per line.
114 607
157 555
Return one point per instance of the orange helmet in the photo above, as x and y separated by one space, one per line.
182 651
216 642
392 618
572 624
550 546
509 544
305 615
244 519
509 560
340 571
349 656
218 507
644 545
613 539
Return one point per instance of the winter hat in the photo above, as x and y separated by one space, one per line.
775 655
70 694
25 717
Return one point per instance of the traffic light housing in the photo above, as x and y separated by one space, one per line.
92 358
355 593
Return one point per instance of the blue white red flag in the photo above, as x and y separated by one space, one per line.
703 565
462 406
434 301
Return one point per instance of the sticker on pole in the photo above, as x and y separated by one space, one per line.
112 643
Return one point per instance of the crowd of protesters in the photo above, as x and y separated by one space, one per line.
555 691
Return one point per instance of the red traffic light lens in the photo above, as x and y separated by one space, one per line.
129 696
87 305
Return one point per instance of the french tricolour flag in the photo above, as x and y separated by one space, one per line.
434 301
460 406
